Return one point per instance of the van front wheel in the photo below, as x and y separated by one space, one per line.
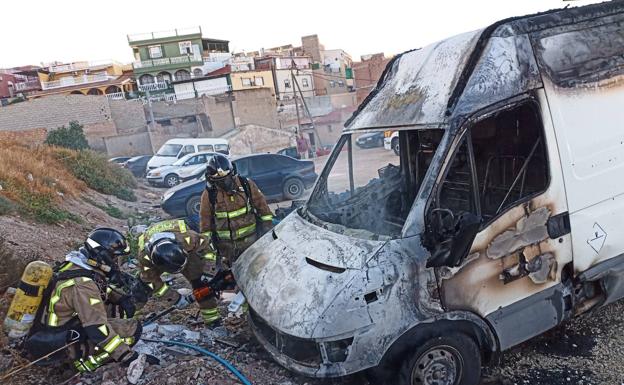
449 360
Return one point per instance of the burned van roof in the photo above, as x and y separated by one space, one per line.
416 85
472 70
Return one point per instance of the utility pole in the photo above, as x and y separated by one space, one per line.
305 105
292 75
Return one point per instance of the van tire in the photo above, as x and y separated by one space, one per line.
293 188
395 146
454 358
171 180
193 205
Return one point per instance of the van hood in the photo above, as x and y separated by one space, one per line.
309 282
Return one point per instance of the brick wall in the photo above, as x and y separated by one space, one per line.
32 136
128 116
256 139
127 145
54 111
255 106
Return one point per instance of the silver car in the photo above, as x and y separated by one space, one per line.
183 169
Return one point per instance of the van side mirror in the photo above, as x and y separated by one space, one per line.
454 244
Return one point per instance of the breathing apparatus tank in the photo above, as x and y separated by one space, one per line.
27 299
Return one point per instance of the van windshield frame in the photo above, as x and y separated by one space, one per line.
369 193
169 150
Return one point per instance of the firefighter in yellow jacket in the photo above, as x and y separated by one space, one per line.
172 247
233 211
73 311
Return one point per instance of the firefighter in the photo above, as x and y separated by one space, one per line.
72 309
172 247
233 211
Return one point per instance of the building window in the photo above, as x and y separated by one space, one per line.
304 82
332 83
182 75
155 51
146 79
340 83
185 47
287 83
246 82
163 77
259 80
197 72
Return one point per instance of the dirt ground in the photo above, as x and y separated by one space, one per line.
586 350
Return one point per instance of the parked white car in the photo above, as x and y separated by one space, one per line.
183 169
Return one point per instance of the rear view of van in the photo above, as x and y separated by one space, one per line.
175 149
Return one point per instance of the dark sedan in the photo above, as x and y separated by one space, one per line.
137 165
370 140
278 177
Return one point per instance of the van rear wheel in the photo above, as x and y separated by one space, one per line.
449 360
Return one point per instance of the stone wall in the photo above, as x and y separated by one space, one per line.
252 139
129 145
255 106
128 116
31 136
53 111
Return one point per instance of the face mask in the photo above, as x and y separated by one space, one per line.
226 184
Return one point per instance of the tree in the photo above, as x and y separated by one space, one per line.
72 137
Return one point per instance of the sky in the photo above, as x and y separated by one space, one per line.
70 30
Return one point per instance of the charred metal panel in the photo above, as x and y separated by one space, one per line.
479 284
506 68
559 17
611 274
529 230
380 291
582 55
529 317
416 88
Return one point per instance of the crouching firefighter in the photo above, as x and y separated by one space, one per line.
233 211
172 247
72 311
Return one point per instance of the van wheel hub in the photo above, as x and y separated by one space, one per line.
438 366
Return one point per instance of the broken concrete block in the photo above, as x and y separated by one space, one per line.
169 330
219 332
191 336
150 328
135 369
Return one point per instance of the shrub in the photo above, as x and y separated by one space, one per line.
100 175
6 206
71 137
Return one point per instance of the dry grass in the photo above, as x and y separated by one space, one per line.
49 176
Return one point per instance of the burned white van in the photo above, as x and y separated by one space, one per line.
498 220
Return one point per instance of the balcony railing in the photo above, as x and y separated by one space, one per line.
116 96
79 66
75 80
166 61
153 86
164 34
